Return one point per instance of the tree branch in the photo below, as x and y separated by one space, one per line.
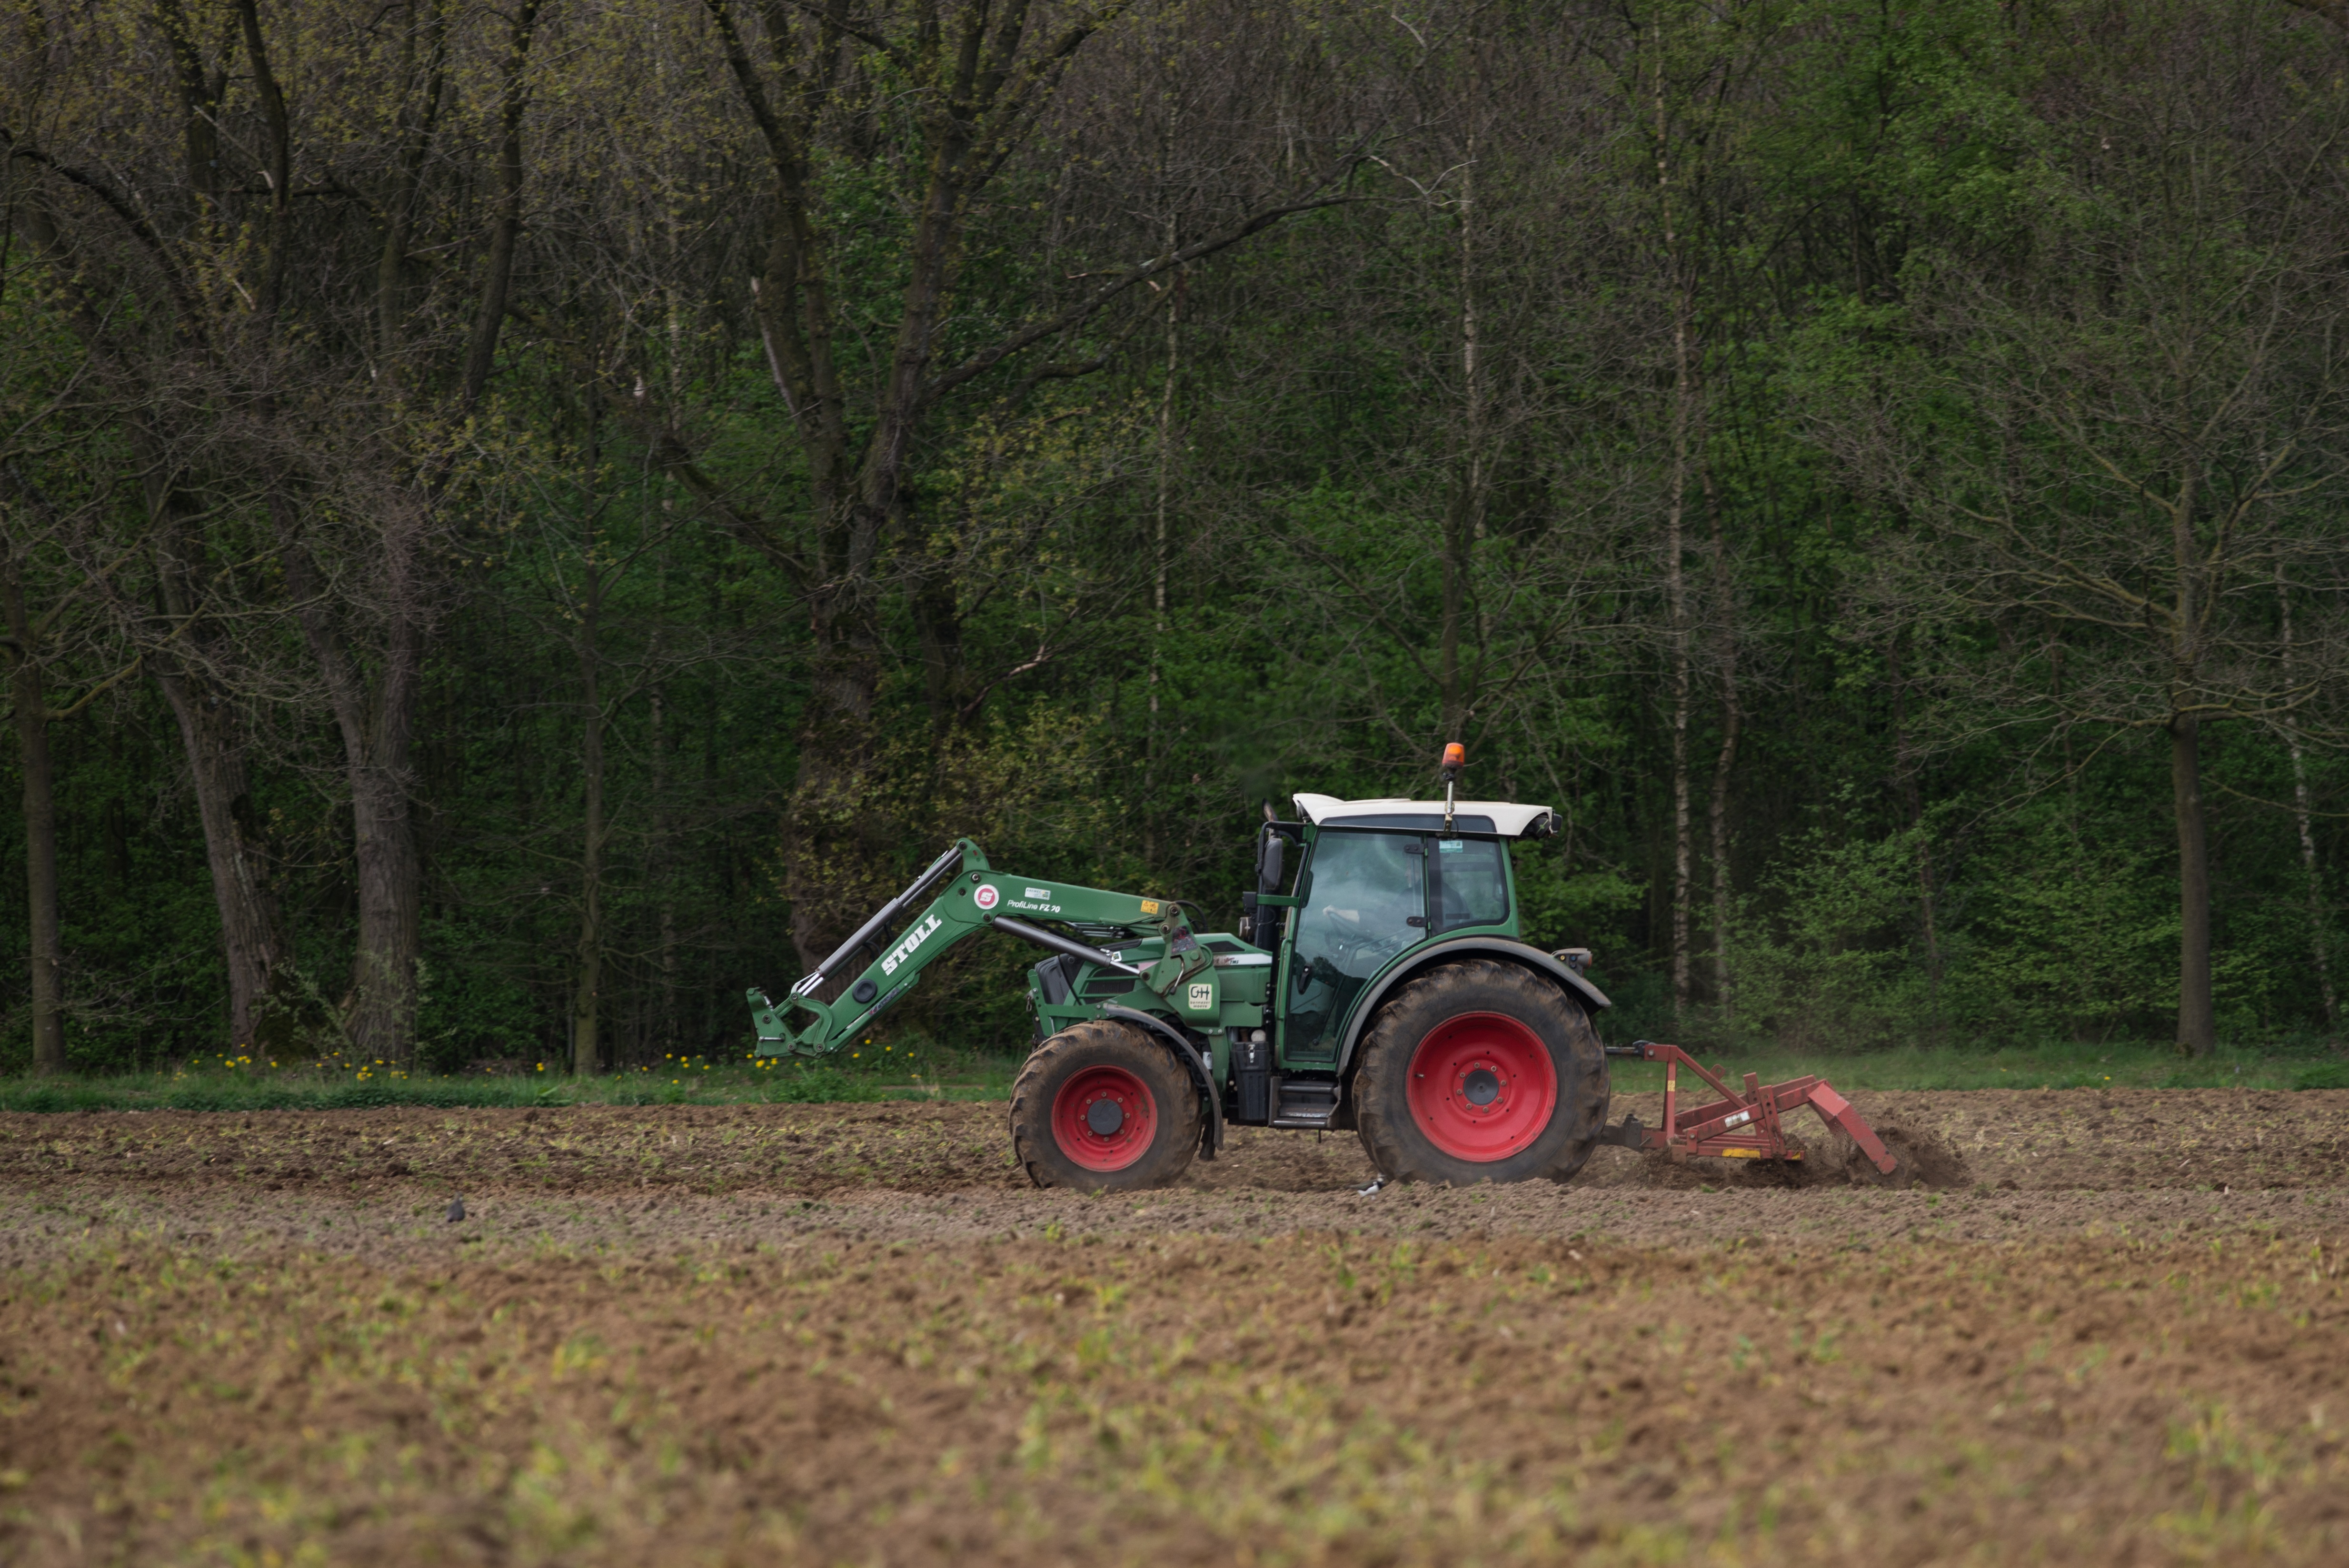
986 358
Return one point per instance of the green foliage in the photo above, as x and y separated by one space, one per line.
1832 959
2072 937
1579 908
481 1014
1263 530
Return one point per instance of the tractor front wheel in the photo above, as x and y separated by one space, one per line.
1103 1108
1480 1071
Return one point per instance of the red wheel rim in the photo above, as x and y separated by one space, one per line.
1105 1119
1482 1087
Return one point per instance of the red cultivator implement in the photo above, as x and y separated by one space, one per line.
1737 1126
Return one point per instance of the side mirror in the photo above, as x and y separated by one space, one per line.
1270 857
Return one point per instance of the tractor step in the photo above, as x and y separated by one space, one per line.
1304 1103
1737 1126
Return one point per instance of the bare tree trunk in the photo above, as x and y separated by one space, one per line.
251 939
822 847
1675 578
586 1017
480 353
2071 764
390 885
376 708
2317 951
2197 1017
815 844
1459 535
1925 908
1733 715
1676 610
1904 773
423 59
1152 741
390 878
1462 515
1165 459
46 954
659 860
376 719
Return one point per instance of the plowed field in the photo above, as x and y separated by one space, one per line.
2097 1327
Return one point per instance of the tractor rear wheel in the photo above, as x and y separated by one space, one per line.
1480 1071
1103 1108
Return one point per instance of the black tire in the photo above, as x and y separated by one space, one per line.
1446 1004
1079 1060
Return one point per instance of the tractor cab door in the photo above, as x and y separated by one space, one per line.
1365 902
1366 897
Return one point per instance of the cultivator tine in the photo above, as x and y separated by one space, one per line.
1738 1124
1838 1110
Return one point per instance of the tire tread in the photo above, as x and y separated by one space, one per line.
1382 1119
1031 1110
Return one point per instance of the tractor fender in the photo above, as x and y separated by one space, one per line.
1188 1055
1519 952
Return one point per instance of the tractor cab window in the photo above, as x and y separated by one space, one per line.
1365 902
1467 883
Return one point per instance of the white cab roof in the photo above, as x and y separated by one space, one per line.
1510 820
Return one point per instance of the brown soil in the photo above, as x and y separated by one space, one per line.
2123 1140
2107 1328
806 1148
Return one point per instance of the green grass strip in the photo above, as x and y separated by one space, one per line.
985 1078
791 1085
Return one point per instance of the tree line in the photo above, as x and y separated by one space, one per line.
519 522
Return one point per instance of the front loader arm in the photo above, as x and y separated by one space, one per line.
970 896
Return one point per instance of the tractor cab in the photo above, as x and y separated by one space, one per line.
1376 881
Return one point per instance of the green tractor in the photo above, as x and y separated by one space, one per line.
1384 986
1388 990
